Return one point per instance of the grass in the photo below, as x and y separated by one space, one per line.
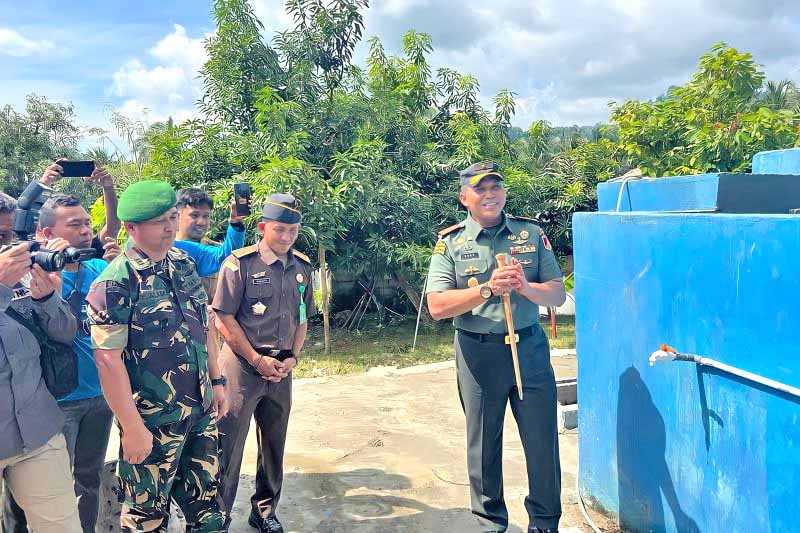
354 352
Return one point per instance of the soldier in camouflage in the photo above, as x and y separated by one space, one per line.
149 331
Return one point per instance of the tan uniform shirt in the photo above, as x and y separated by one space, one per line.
265 296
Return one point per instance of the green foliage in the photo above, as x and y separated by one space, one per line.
239 66
714 123
31 140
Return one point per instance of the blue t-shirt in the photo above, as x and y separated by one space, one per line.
208 257
88 379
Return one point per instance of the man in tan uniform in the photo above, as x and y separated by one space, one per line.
263 301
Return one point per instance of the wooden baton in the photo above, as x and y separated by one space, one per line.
512 333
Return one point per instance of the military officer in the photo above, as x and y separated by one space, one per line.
465 283
147 311
263 301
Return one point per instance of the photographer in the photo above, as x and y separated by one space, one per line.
107 235
33 453
194 219
63 222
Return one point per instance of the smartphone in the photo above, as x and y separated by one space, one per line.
77 169
241 195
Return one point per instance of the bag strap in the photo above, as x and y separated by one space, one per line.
30 324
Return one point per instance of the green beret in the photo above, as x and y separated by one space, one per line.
144 200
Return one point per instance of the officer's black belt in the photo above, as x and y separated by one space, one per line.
496 338
280 355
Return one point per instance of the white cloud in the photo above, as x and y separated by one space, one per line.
166 87
14 44
567 60
272 14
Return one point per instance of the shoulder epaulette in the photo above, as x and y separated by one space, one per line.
447 231
301 256
526 219
244 252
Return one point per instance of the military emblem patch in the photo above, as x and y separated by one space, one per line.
440 248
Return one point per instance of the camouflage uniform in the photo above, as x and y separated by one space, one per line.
156 313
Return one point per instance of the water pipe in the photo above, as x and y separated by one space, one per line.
668 353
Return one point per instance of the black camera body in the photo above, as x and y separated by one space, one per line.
26 219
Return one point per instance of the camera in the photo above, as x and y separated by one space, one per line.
26 218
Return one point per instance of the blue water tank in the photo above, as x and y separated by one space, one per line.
676 447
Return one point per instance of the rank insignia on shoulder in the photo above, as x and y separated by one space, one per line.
440 247
546 241
230 265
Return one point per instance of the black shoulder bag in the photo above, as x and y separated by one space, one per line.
58 360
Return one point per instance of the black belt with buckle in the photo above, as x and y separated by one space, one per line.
496 338
280 355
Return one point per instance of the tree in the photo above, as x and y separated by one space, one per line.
239 65
714 123
31 140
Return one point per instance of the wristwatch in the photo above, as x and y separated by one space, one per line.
222 380
486 291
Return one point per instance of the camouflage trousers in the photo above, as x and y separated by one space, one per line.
184 467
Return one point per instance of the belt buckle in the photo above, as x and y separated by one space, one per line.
508 338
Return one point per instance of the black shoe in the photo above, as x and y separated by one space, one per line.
269 524
540 530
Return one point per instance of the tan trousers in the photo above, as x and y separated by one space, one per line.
41 483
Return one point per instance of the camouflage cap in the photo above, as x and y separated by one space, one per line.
282 208
473 174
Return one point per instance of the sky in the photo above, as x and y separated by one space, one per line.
564 59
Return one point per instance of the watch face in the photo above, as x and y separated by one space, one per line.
486 292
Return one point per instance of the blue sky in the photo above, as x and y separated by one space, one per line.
565 60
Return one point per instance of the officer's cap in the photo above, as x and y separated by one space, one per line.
473 174
145 200
282 208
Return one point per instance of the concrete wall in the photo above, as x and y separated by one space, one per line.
671 448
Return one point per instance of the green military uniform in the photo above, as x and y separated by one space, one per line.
156 313
464 257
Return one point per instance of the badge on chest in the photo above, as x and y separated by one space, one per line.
260 278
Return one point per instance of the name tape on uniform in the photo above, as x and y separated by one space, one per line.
527 249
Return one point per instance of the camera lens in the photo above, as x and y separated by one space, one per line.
49 261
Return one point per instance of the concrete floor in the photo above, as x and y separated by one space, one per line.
385 451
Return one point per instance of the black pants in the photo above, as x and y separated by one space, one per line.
270 404
486 385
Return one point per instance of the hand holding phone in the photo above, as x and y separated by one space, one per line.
76 169
241 196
